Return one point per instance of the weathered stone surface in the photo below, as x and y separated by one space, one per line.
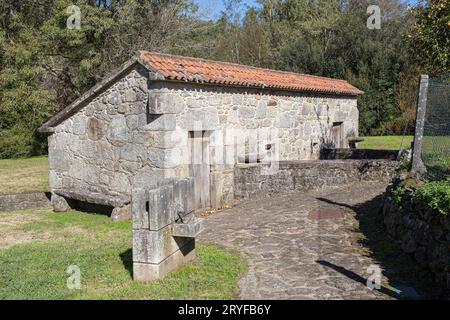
252 180
261 110
165 102
139 209
161 209
59 203
95 129
167 139
121 213
165 158
145 272
202 119
26 200
188 229
164 122
117 130
112 199
155 246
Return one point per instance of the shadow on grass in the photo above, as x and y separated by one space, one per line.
127 260
398 267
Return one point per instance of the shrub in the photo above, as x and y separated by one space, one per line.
436 194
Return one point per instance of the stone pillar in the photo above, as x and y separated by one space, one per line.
59 203
417 163
164 228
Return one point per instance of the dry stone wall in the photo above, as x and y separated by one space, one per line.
421 231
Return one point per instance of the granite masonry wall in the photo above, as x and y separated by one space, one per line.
253 181
422 232
137 132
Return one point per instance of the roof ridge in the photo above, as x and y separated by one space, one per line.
170 55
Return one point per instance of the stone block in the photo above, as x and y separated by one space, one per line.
183 194
139 211
121 213
160 207
167 139
165 158
246 112
202 119
117 129
165 103
283 121
164 122
79 124
114 98
59 203
58 160
144 272
188 230
261 110
155 246
133 152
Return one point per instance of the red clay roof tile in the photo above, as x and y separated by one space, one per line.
179 68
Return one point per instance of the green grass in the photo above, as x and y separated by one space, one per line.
386 142
47 243
20 175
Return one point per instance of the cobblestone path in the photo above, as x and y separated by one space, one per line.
291 254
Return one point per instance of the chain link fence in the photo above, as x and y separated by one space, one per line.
436 130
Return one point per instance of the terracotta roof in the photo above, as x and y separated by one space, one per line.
179 68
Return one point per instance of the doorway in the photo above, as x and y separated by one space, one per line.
337 134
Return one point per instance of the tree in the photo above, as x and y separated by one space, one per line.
429 39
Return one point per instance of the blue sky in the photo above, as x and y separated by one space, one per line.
213 8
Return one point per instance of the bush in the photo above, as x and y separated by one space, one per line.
436 194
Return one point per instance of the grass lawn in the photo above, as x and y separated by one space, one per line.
386 142
19 175
37 247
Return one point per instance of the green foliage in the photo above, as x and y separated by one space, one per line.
429 39
44 66
404 165
435 194
397 195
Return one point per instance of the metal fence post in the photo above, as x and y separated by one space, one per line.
417 163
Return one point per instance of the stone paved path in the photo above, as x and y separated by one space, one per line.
291 256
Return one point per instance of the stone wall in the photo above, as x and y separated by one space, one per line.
421 232
26 200
103 148
252 181
336 154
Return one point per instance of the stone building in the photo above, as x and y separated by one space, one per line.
160 116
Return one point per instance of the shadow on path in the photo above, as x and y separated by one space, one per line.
398 267
356 277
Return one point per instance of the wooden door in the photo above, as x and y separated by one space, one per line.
199 167
336 134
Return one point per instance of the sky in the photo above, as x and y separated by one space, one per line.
212 8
